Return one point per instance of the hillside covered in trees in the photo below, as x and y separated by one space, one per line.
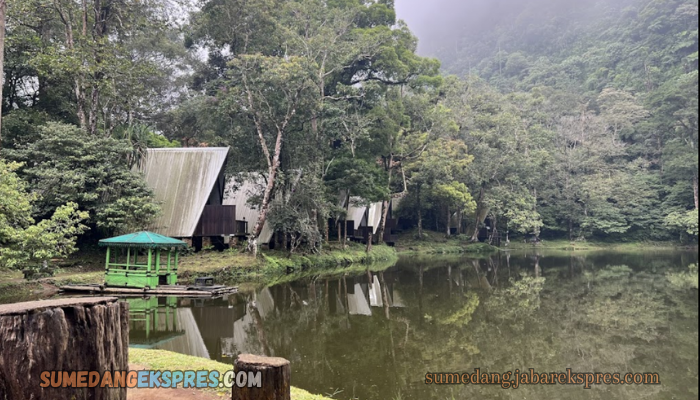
554 119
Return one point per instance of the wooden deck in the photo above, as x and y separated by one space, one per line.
163 290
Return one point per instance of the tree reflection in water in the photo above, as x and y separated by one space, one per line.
374 335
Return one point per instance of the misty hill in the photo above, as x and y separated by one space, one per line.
516 45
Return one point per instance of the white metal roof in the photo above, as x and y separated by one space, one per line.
356 211
374 215
182 180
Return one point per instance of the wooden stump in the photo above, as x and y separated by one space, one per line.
76 334
275 374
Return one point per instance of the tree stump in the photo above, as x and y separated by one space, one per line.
275 375
76 334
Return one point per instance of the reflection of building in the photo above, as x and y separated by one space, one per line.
357 302
230 322
157 323
362 296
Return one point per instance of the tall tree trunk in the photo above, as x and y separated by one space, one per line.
477 222
385 204
345 231
695 189
494 230
3 8
459 221
92 112
273 167
420 213
382 221
447 223
420 225
340 233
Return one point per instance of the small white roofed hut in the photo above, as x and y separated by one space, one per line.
238 195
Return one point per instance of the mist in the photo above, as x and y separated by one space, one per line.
446 28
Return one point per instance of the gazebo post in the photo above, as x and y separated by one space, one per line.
107 259
128 256
149 260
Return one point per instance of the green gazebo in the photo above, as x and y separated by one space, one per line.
141 260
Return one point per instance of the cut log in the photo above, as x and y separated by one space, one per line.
275 375
78 334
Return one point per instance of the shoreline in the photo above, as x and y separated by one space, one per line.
234 267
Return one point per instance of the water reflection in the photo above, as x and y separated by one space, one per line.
374 335
158 323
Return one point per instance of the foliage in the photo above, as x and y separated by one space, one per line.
462 317
522 297
684 280
26 243
65 165
576 122
687 221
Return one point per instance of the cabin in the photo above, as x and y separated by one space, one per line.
237 196
189 184
143 260
362 220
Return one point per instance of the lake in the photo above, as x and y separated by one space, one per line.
374 335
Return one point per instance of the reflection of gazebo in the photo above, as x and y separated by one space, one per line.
151 260
152 321
158 323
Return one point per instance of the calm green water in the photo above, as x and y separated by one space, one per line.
374 336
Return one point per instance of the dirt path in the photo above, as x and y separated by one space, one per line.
167 393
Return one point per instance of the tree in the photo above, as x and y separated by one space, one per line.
270 90
453 196
66 165
25 243
96 63
3 9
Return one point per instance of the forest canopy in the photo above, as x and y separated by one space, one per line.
537 118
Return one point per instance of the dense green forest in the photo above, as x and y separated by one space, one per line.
553 119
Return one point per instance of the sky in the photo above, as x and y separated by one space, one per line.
435 22
421 18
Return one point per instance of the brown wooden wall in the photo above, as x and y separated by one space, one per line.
217 220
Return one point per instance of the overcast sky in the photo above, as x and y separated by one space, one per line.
437 21
418 15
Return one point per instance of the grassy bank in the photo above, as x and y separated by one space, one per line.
436 243
162 360
559 244
272 266
13 286
230 266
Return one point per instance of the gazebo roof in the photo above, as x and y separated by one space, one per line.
142 239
